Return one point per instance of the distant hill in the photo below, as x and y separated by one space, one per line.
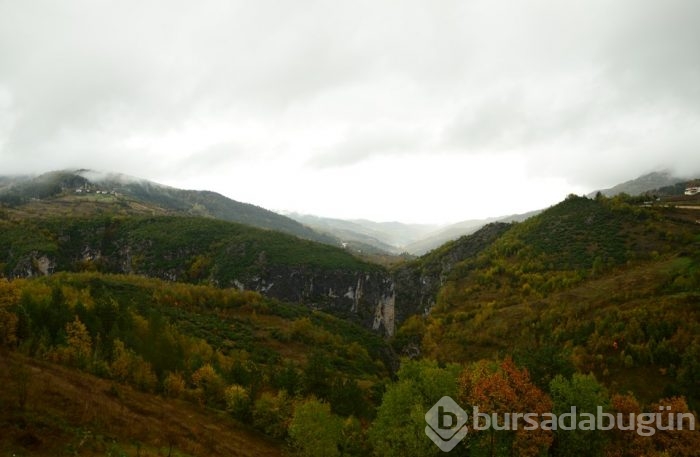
675 190
110 192
397 237
459 229
390 237
641 184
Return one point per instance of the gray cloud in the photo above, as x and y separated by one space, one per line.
359 146
590 92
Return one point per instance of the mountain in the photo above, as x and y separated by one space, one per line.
389 237
117 323
591 285
641 184
202 250
676 191
459 229
72 189
417 240
397 237
418 281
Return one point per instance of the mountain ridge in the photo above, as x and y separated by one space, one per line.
641 184
82 183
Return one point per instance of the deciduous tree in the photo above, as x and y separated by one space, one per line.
314 431
505 389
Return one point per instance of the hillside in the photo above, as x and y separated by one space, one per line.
588 285
418 281
180 365
395 237
571 307
84 191
641 184
388 237
454 231
68 412
200 250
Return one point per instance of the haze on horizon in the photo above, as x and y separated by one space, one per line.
413 111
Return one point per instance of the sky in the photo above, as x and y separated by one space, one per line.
416 111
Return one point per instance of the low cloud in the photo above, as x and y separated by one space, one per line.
589 94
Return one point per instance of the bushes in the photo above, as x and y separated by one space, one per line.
209 386
174 385
237 401
271 414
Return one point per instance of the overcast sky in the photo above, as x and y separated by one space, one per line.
418 111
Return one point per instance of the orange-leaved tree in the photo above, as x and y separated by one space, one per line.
497 389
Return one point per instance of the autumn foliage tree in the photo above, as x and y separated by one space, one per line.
79 343
9 295
626 443
679 442
8 328
499 389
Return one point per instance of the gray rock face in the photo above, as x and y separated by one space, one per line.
366 296
365 293
417 283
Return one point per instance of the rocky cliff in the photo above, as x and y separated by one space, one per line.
418 282
207 251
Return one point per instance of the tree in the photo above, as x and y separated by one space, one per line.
544 361
314 431
271 414
9 322
681 443
347 398
8 328
586 394
237 401
399 428
174 385
286 378
625 443
130 367
689 371
502 389
79 343
354 438
210 386
317 376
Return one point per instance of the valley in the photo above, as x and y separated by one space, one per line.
148 308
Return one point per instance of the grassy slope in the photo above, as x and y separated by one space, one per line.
72 413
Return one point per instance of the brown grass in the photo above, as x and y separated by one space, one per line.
72 413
